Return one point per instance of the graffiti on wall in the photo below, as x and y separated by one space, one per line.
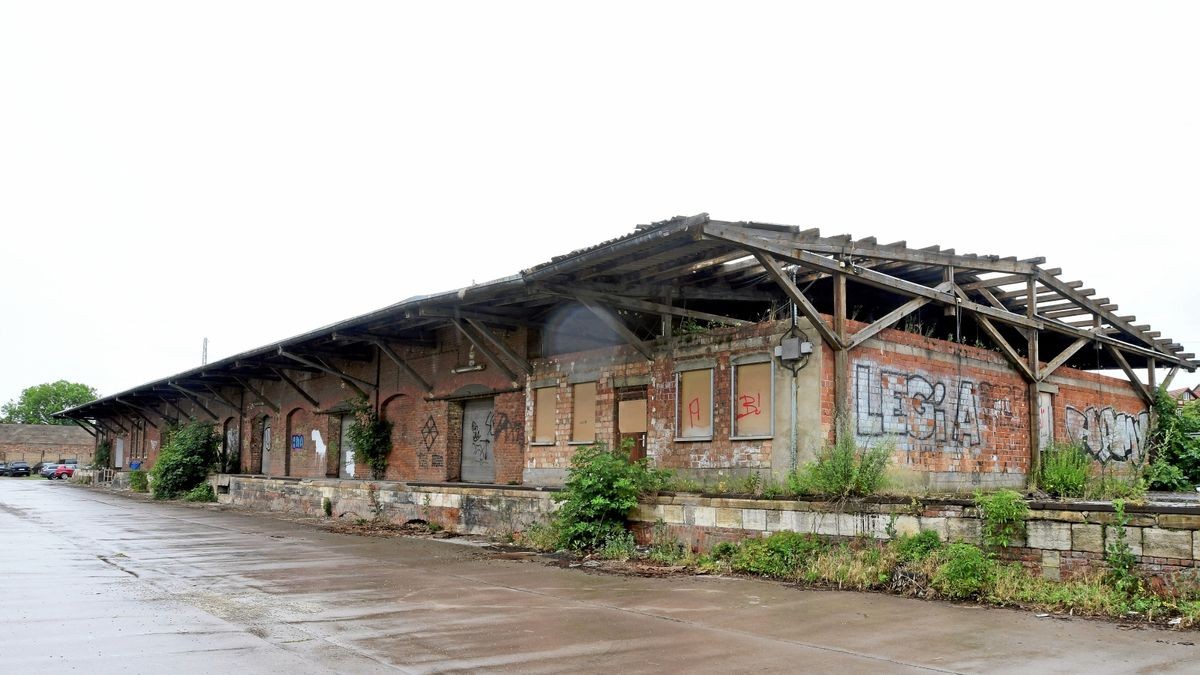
320 443
1109 435
429 433
480 442
932 412
502 428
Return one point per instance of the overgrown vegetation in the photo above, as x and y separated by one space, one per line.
1175 443
103 457
201 493
965 572
139 481
188 454
844 470
1065 470
371 437
1122 573
602 486
1003 514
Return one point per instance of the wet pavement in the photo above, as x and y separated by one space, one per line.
96 582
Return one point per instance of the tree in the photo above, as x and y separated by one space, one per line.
36 404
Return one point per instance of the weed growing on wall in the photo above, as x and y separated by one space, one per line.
138 482
779 555
371 437
1119 555
1065 470
844 470
185 459
1003 515
620 546
602 487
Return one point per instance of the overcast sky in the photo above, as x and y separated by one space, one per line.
247 171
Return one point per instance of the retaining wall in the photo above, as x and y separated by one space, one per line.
458 508
1061 539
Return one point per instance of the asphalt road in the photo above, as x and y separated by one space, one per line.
95 582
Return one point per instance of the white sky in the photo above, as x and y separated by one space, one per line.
247 171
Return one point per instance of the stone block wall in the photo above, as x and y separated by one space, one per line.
1060 540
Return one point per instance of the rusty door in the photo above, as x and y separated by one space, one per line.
478 461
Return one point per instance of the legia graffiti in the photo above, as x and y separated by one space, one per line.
1109 435
924 413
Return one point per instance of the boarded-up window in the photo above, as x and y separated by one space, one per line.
752 400
583 414
631 416
694 416
543 415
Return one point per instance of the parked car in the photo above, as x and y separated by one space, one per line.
3 468
17 469
62 472
47 470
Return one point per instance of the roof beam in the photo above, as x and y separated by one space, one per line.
296 387
195 399
802 303
344 377
1006 280
1113 319
387 351
609 319
483 349
866 276
513 357
646 306
91 430
260 396
1064 356
867 248
890 319
1129 373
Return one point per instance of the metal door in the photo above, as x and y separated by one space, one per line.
119 452
346 456
478 462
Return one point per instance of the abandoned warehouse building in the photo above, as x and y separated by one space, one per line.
711 347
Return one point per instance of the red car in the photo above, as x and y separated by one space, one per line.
63 472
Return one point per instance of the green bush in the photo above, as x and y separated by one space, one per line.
779 555
724 550
138 481
844 470
1174 439
371 437
187 456
917 547
201 493
1065 469
1162 475
103 456
602 487
1004 515
966 571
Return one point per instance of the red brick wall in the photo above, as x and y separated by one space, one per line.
948 408
1105 414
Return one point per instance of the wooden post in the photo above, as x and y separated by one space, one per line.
841 357
1035 432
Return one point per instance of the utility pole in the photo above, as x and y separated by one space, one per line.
204 353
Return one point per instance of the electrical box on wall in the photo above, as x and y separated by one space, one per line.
793 349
